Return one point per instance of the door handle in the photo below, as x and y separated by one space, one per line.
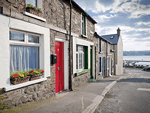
58 68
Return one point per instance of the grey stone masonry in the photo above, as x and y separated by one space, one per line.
57 15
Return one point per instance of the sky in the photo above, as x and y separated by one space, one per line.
131 16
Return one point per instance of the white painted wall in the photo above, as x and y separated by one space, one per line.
77 41
6 24
119 66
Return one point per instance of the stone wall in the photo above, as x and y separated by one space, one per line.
57 14
80 79
34 92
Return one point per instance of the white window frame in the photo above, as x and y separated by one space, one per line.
80 52
39 3
26 43
8 23
31 4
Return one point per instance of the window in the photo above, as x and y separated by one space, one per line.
107 48
32 2
99 45
79 58
24 51
83 24
99 64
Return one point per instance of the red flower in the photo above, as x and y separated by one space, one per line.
27 73
15 76
32 70
42 71
32 73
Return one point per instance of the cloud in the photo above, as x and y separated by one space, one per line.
143 23
134 7
103 18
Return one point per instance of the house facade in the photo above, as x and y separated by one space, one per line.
35 35
105 57
117 51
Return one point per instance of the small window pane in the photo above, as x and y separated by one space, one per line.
76 48
33 38
16 36
32 2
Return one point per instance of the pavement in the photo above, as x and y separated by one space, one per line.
84 98
131 95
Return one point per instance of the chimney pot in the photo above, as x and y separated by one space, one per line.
118 31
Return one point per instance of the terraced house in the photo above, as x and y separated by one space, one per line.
35 34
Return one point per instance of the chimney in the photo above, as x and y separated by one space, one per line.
118 31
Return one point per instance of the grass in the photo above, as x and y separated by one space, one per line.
84 71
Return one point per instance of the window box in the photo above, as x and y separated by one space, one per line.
33 10
19 80
82 72
35 77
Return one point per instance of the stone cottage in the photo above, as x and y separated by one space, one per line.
105 57
116 50
35 35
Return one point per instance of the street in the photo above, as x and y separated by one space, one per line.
131 95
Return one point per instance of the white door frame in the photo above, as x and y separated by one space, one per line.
65 61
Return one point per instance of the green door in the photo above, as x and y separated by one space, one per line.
91 62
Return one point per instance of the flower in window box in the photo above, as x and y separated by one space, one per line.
42 71
18 77
34 10
32 73
15 75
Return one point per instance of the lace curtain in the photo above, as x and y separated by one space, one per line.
23 58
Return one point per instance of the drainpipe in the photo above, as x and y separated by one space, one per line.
106 57
95 62
70 74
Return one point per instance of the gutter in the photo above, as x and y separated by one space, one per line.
70 77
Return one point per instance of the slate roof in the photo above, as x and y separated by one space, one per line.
113 38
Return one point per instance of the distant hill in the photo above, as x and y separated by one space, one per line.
136 53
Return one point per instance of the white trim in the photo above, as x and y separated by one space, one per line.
7 23
78 41
65 61
24 84
86 26
60 40
34 16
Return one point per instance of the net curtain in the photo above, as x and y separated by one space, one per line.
23 58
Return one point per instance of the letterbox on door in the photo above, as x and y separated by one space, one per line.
53 58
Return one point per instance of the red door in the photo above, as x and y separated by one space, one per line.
59 67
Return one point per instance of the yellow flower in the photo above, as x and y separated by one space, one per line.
22 75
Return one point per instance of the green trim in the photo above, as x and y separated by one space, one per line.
86 58
91 61
83 14
82 72
84 25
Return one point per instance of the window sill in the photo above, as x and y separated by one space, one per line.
84 36
100 73
12 87
100 52
34 16
81 73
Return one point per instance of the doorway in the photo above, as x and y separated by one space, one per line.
103 67
59 66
